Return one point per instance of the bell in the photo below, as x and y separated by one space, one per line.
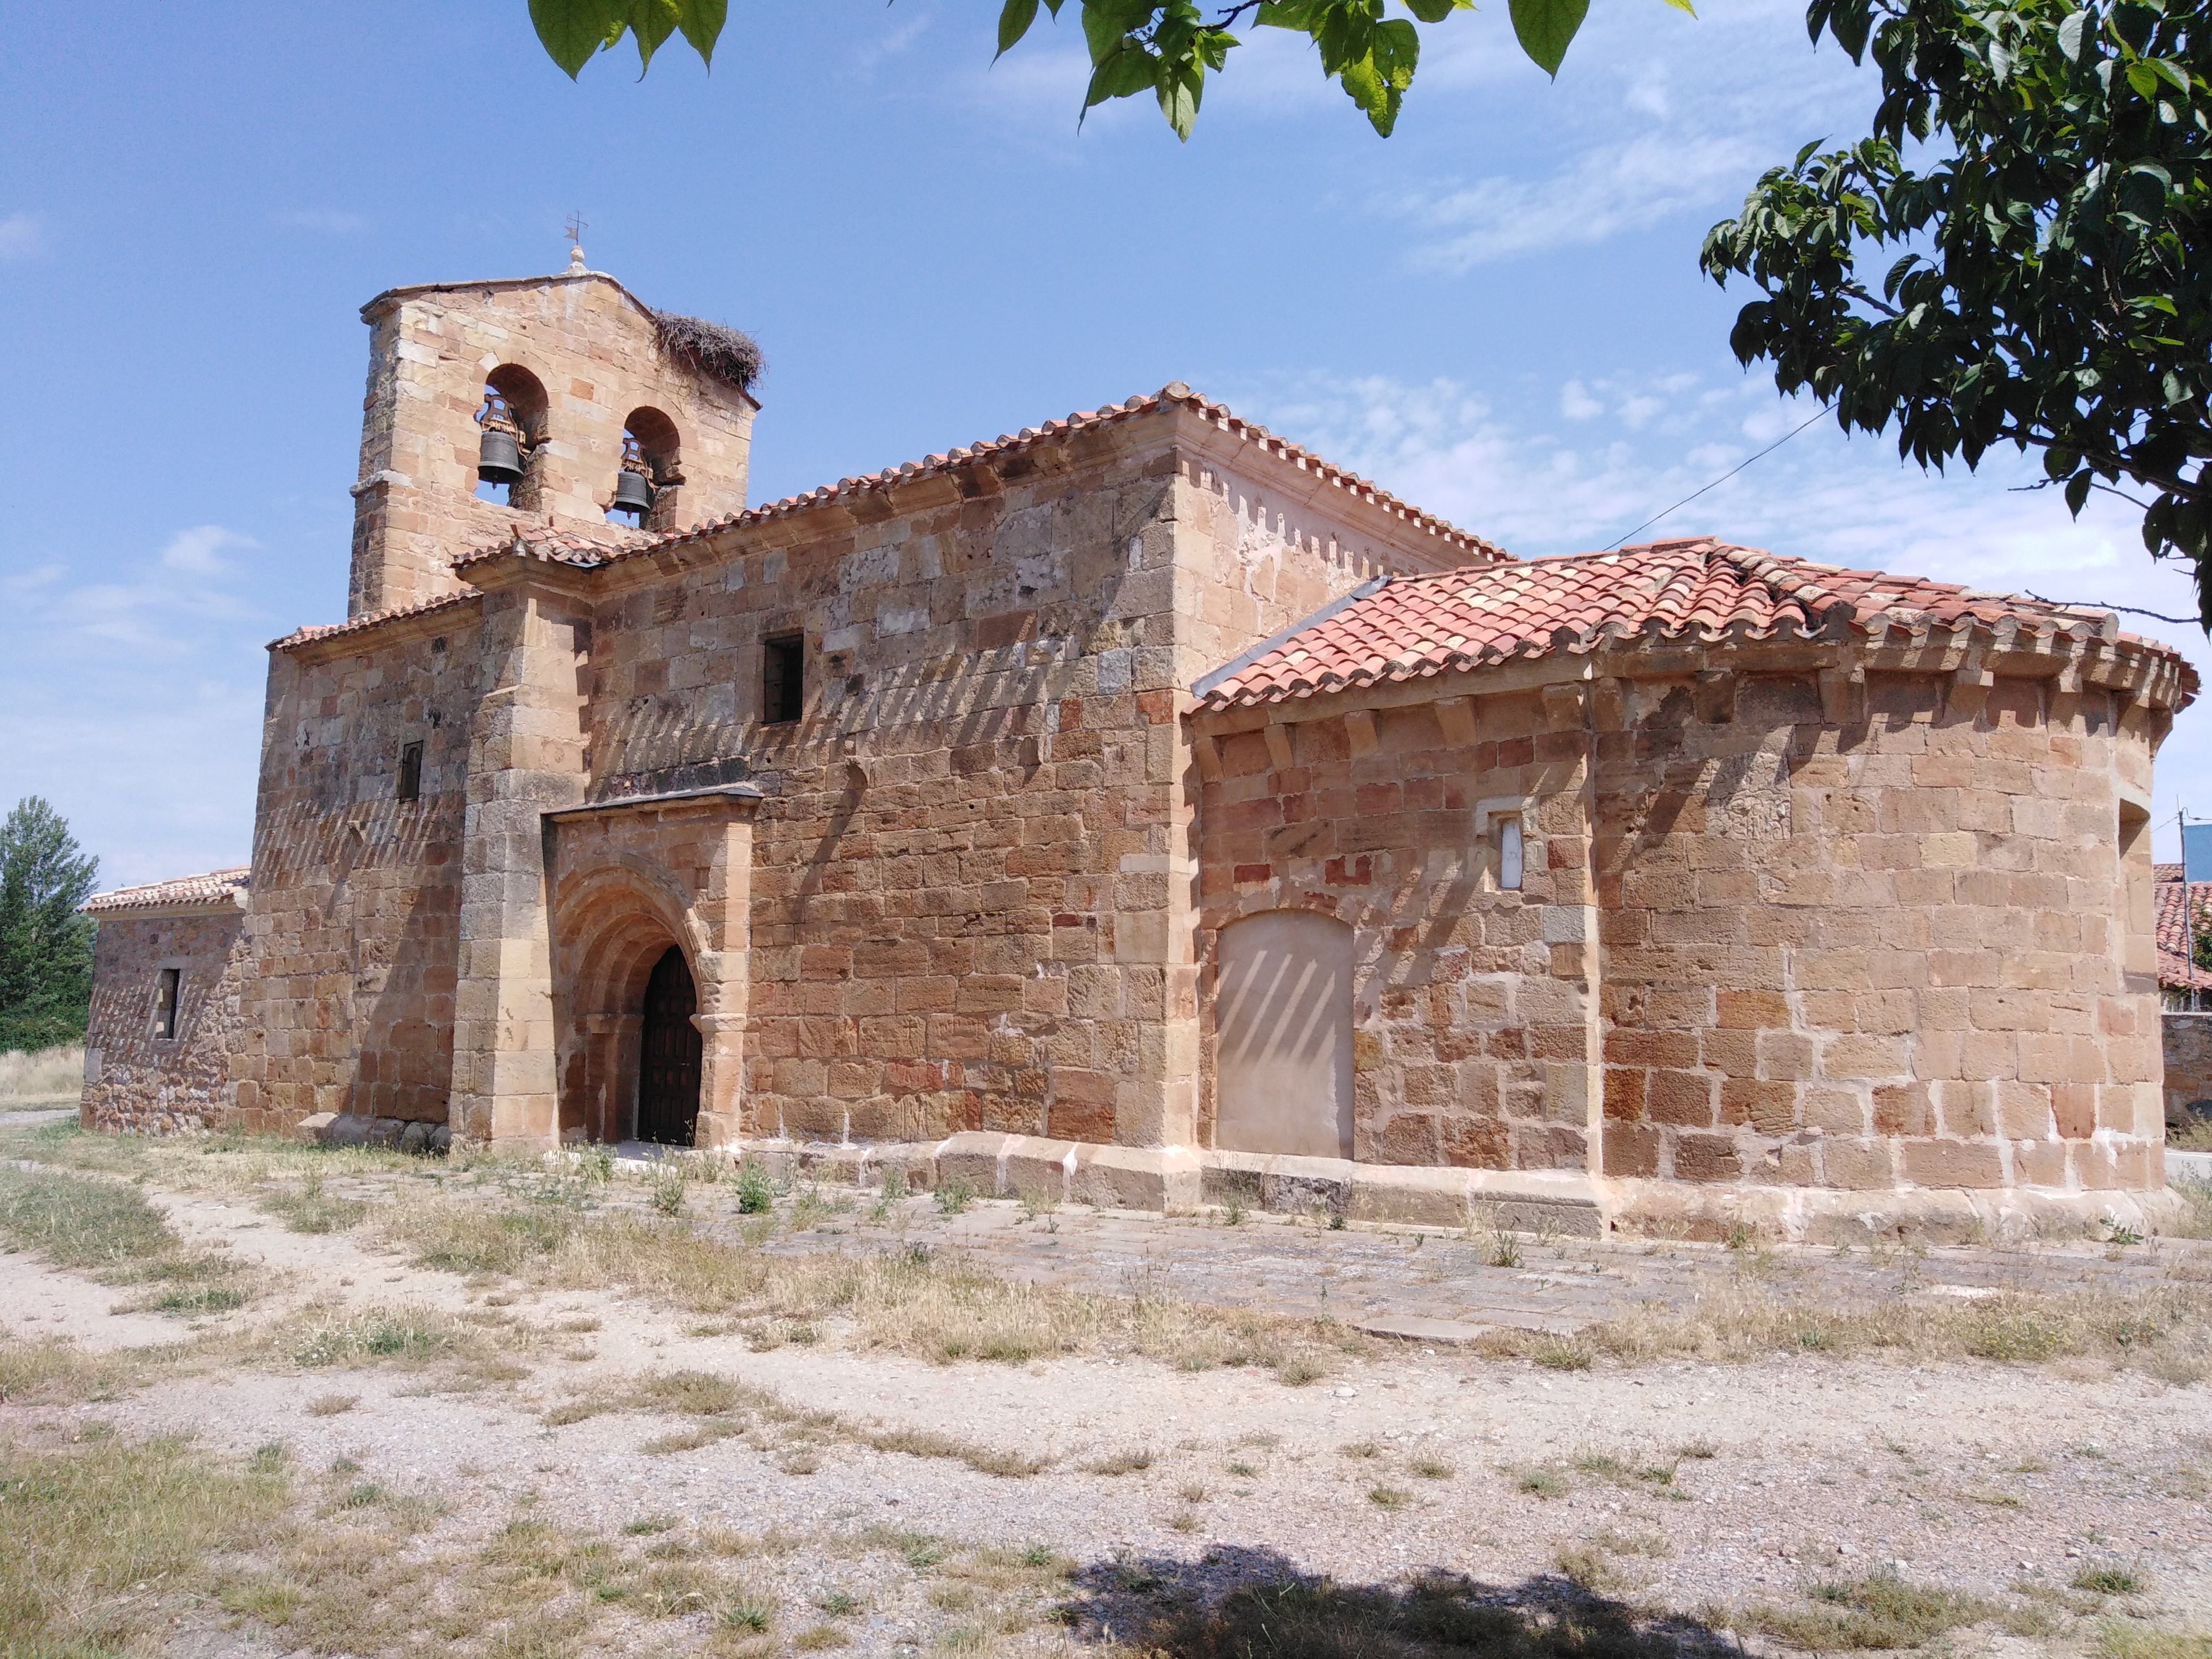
499 458
633 493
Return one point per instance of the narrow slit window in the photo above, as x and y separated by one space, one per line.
783 678
410 771
166 989
1509 854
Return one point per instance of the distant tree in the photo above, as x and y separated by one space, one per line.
1164 48
46 947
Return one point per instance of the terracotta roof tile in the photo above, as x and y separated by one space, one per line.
2174 967
1673 591
211 888
373 619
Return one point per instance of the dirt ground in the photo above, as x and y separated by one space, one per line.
538 1461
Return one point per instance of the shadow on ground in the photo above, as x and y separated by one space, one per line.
1241 1602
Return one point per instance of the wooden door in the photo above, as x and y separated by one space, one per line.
668 1068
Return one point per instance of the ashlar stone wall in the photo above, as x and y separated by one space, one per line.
352 932
973 869
1866 924
137 1082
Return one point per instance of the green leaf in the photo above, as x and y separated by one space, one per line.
2143 79
701 23
1435 11
1126 70
651 22
1546 28
572 30
1014 23
1180 86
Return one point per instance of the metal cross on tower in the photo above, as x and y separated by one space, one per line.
577 226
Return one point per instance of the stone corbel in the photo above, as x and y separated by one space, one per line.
1359 732
1564 706
1456 716
1714 696
1843 696
1208 753
1279 746
1970 686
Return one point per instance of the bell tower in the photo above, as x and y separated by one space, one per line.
561 401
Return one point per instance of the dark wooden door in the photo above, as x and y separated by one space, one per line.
668 1070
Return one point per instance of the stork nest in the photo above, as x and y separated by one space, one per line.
708 349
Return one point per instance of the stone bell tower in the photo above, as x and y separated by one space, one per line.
585 379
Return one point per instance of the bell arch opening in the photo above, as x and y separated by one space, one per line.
1282 1010
650 472
511 420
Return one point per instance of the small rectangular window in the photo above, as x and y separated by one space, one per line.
783 678
1509 853
166 989
410 771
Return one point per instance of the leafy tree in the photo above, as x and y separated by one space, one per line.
2037 173
46 947
1164 48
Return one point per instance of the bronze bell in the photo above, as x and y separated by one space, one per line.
633 493
498 457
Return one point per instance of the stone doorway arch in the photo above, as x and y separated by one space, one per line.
637 882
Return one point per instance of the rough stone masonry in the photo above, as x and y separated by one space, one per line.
1140 809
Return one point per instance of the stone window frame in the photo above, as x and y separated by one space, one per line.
1488 813
410 784
792 640
168 976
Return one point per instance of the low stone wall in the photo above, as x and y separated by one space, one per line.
2188 1067
393 1134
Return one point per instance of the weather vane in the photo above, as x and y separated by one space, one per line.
576 227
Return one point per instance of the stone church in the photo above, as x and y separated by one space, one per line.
1138 808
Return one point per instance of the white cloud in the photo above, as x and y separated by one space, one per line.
197 551
22 236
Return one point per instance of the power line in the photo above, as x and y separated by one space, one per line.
2132 610
1723 478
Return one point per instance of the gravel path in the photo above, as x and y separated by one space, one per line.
1762 1478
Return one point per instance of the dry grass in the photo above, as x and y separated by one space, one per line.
1880 1612
723 1410
2166 1332
909 1302
57 1373
104 1535
107 1229
47 1077
307 1208
2195 1221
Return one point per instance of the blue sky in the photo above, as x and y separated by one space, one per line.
1497 313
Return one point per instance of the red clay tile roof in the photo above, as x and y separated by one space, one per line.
1673 591
375 618
1176 393
2174 967
215 887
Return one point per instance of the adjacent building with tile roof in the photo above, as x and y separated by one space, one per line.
1137 808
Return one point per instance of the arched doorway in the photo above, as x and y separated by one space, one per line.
1282 1010
669 1055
